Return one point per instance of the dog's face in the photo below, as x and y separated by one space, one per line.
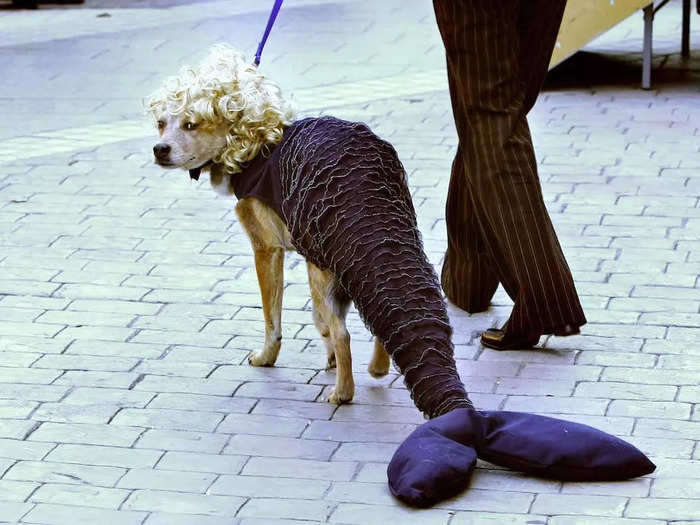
186 142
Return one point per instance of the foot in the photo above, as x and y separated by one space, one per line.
265 357
566 331
498 340
338 396
378 370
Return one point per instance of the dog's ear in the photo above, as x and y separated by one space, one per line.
194 174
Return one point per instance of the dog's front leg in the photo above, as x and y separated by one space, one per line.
269 265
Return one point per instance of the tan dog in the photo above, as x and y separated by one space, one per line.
215 118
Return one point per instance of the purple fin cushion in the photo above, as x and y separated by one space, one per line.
429 467
538 445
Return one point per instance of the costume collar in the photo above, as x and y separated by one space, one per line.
194 172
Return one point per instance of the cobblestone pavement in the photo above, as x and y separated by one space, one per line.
128 300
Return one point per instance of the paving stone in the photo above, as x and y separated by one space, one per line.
74 515
690 394
206 355
626 391
300 468
655 377
168 419
87 396
105 456
582 504
498 480
185 385
206 403
654 409
286 508
663 508
577 373
269 487
628 359
19 449
299 392
675 468
16 428
86 434
291 408
32 392
246 372
663 447
97 379
359 514
519 386
274 521
90 496
599 520
180 502
163 518
364 452
679 362
638 487
556 405
51 472
356 431
12 512
27 375
85 362
60 413
115 348
12 408
675 488
272 446
197 462
667 428
263 425
369 414
15 490
182 440
139 478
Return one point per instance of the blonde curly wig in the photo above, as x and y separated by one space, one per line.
225 88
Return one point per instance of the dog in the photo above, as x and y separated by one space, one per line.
217 118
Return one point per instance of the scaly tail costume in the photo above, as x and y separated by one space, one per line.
342 193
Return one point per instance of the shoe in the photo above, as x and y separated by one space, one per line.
24 4
566 331
498 340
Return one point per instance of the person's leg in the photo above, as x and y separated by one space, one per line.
482 43
467 277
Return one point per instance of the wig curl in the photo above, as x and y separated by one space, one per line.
226 88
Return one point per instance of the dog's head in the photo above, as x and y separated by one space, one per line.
221 112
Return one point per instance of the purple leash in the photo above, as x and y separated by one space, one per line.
270 23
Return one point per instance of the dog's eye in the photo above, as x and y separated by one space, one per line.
160 124
189 126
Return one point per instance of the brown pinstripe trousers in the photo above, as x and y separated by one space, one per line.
498 52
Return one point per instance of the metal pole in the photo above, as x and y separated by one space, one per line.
646 54
685 34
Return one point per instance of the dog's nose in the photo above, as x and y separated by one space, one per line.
161 150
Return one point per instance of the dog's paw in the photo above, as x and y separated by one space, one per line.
260 359
338 397
378 370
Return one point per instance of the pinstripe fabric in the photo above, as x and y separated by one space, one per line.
498 227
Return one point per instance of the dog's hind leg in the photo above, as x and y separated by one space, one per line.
325 332
330 307
379 365
269 265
